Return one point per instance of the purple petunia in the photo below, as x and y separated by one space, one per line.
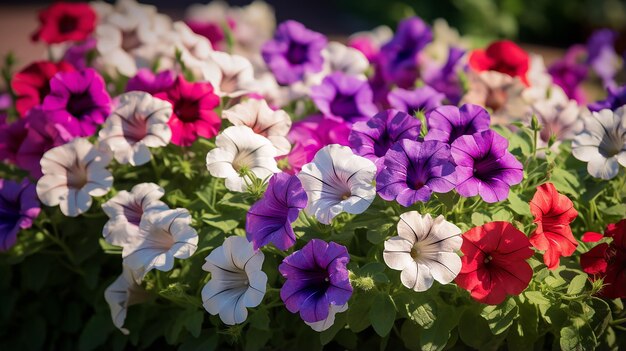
569 72
414 170
342 96
371 139
269 219
19 207
602 57
150 82
422 99
445 79
12 135
317 277
484 166
615 99
294 51
78 102
447 123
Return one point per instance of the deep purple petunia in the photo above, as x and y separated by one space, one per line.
342 96
78 102
317 277
372 138
77 54
484 166
294 51
12 136
602 57
445 79
615 99
447 123
150 82
269 219
414 170
398 57
570 71
19 207
422 99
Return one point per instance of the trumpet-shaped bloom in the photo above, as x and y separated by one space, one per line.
448 123
32 84
19 207
138 123
424 250
237 281
337 181
121 294
345 59
602 143
317 277
152 83
561 119
422 99
502 56
239 150
345 97
62 22
72 174
414 170
230 75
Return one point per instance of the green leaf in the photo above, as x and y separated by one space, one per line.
474 331
602 316
95 332
500 317
502 215
193 322
479 219
256 339
524 333
577 335
436 338
617 210
419 307
518 205
206 342
410 334
565 182
358 313
329 334
260 319
577 284
382 314
379 233
220 222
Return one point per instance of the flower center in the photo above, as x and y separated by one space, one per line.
297 53
130 40
488 259
80 104
243 161
77 176
187 110
346 196
496 99
67 24
228 83
611 144
415 252
135 129
344 106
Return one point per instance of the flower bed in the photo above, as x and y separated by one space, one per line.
264 188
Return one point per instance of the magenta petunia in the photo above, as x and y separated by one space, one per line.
342 96
153 83
447 123
485 167
422 99
19 207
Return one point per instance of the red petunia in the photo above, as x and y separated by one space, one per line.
494 262
608 262
32 84
503 56
193 114
64 21
553 213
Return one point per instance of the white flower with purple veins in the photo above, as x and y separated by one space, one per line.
424 250
330 320
559 119
162 236
237 281
230 75
121 294
241 151
138 123
126 209
337 181
72 174
341 58
256 114
602 143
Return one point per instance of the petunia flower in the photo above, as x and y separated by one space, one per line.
293 52
237 281
602 57
78 102
424 250
553 214
126 209
139 122
120 295
32 84
602 143
344 59
423 99
72 174
182 44
162 236
414 170
494 262
193 114
337 181
256 114
152 83
502 56
12 136
62 21
330 320
570 71
344 97
239 150
78 54
485 167
615 99
231 75
560 120
373 138
370 42
19 207
317 278
445 78
448 123
269 219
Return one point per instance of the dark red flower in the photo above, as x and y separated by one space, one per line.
32 84
553 213
494 262
503 56
608 262
64 21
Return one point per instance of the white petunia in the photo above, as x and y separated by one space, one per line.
256 114
237 281
424 250
229 74
561 119
72 174
444 37
121 294
541 87
126 209
240 150
162 236
341 58
330 320
337 181
138 123
602 143
195 50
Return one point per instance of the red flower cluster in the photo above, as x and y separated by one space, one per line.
553 213
63 22
494 262
502 56
32 84
608 261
